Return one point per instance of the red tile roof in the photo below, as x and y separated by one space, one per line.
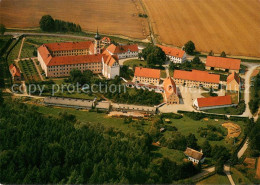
122 48
233 76
172 51
147 72
14 70
80 59
214 101
169 87
45 54
65 46
225 63
110 60
106 39
196 75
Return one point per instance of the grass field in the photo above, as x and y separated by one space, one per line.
215 179
14 53
239 178
132 62
219 25
110 16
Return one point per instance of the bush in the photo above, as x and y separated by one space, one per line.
171 115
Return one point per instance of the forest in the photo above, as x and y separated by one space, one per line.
41 149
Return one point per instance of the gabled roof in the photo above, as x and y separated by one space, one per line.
122 48
193 153
169 87
172 51
225 63
147 72
196 75
110 60
14 71
80 59
65 46
233 76
214 101
45 54
106 39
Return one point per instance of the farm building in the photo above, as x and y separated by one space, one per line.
213 102
194 155
196 78
58 59
15 73
147 76
69 102
170 91
175 55
123 51
223 64
133 108
233 82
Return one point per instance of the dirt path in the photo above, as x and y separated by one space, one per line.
227 172
203 173
20 51
38 70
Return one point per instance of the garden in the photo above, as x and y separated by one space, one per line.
29 70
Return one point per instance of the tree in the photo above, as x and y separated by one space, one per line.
223 54
47 23
154 55
196 60
192 141
212 93
1 98
151 60
189 47
2 29
140 55
219 166
206 148
211 53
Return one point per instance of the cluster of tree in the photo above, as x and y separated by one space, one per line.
255 100
36 149
171 115
199 115
252 130
126 73
47 23
76 76
2 29
189 47
211 132
196 63
138 97
143 15
154 56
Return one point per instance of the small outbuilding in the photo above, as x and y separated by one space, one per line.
194 155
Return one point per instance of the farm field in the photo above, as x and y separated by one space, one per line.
219 25
110 16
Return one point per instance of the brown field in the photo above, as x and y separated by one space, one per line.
250 162
234 130
258 168
118 17
232 26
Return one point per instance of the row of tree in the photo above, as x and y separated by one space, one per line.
254 103
47 23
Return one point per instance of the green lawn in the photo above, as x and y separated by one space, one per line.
174 155
14 53
238 177
27 51
187 125
39 40
215 179
132 62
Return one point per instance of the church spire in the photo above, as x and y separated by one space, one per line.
97 36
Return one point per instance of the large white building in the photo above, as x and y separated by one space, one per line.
111 67
175 55
123 51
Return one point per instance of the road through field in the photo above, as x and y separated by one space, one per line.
232 26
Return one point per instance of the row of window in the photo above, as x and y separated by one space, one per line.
77 65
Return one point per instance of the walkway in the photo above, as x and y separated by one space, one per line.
37 68
20 51
227 172
204 172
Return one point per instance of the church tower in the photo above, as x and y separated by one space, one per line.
97 49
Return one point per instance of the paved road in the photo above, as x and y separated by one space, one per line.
49 34
243 149
227 172
203 173
251 68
